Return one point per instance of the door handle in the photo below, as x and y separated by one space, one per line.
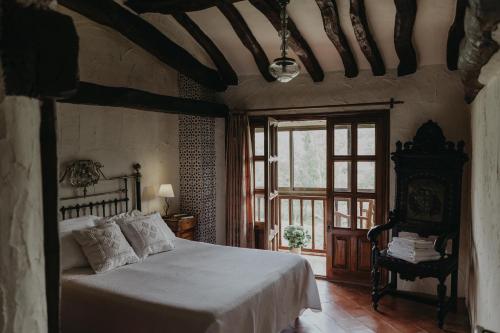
329 228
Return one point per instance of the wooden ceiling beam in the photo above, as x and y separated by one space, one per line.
173 6
363 35
298 44
481 18
455 35
99 95
333 30
225 70
406 12
145 35
39 52
247 38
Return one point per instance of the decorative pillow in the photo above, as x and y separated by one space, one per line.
105 247
148 234
71 253
121 216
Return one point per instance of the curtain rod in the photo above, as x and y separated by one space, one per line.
391 104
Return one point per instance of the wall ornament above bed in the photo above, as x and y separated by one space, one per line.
83 173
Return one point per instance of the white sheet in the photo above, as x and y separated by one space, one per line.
195 288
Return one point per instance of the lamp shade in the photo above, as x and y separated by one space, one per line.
166 191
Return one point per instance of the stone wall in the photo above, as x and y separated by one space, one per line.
22 264
484 268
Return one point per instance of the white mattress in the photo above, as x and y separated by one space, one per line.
193 289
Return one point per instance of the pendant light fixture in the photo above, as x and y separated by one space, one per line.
284 69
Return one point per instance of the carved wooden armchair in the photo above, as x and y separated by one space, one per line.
428 192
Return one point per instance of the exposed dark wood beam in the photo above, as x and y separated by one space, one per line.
455 35
299 45
247 38
95 94
39 52
145 35
226 71
406 11
481 18
333 30
364 37
172 6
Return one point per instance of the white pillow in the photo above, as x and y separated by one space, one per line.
71 253
147 234
105 247
121 216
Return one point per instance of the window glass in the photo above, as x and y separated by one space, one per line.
259 174
296 212
366 213
342 176
284 159
259 142
307 219
285 219
309 165
319 227
342 140
342 213
366 139
366 177
259 208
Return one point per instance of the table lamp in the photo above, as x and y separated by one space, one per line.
166 191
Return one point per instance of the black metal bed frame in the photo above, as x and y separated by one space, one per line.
115 205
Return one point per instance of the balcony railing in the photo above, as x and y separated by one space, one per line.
308 211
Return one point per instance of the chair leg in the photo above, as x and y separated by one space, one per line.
375 285
394 280
441 289
453 291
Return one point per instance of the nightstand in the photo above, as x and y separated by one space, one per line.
182 226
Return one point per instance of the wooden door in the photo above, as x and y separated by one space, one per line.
357 183
271 184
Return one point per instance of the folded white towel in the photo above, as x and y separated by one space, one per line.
397 247
414 259
420 243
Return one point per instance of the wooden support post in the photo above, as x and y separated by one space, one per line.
50 183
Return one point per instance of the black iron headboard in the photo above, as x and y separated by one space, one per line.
110 206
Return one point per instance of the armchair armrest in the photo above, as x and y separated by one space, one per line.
377 230
441 242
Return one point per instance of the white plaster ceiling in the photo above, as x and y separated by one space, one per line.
434 18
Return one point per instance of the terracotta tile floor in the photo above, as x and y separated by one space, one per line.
348 309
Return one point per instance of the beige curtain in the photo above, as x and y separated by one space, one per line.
239 183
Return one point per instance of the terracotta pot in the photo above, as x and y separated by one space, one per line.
296 250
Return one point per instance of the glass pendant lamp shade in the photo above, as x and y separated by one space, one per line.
284 69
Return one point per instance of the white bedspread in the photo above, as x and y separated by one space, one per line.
193 289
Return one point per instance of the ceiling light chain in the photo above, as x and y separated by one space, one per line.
284 69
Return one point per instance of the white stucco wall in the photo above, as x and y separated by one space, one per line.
431 93
484 270
117 138
22 264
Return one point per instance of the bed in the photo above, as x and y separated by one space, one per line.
195 288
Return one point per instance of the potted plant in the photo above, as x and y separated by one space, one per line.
297 238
